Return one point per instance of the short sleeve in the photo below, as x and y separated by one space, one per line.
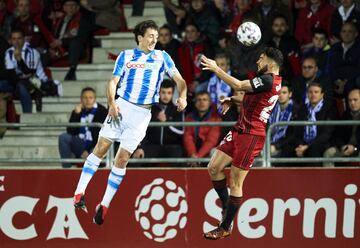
119 64
262 83
170 67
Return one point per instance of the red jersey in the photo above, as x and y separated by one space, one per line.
257 106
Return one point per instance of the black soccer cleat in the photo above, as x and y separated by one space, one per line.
100 213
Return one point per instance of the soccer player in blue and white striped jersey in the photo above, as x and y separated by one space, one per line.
136 81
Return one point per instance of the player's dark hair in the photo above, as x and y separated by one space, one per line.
140 28
320 31
316 84
274 54
88 89
167 83
167 26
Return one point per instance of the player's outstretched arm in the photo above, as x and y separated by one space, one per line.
181 85
234 83
114 109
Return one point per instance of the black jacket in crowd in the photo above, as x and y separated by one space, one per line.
3 47
343 133
99 117
164 135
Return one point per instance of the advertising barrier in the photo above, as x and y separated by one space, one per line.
312 208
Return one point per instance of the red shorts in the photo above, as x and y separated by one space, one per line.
242 147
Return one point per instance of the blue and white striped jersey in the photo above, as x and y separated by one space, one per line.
141 74
30 56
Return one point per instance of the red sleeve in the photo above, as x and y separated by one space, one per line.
211 141
188 140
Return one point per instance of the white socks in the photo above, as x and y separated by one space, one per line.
90 167
115 177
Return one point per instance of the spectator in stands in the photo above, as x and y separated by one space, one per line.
175 15
163 142
312 140
224 12
79 142
287 44
204 15
25 71
6 20
191 50
216 87
265 11
310 73
347 138
5 87
199 141
319 48
167 43
52 11
72 33
30 25
285 110
344 60
346 12
316 15
107 13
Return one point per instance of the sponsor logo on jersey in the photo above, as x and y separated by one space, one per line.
139 65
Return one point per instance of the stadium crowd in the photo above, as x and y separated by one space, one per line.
318 38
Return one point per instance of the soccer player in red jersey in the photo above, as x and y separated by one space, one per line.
246 140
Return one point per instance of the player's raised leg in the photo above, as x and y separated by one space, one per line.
216 167
114 180
90 167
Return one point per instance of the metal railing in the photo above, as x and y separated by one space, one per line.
268 159
110 155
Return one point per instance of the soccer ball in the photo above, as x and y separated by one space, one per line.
161 209
249 33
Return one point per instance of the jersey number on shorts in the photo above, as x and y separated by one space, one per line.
265 113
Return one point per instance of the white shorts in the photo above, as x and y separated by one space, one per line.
131 128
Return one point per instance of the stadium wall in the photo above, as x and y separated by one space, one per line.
172 208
